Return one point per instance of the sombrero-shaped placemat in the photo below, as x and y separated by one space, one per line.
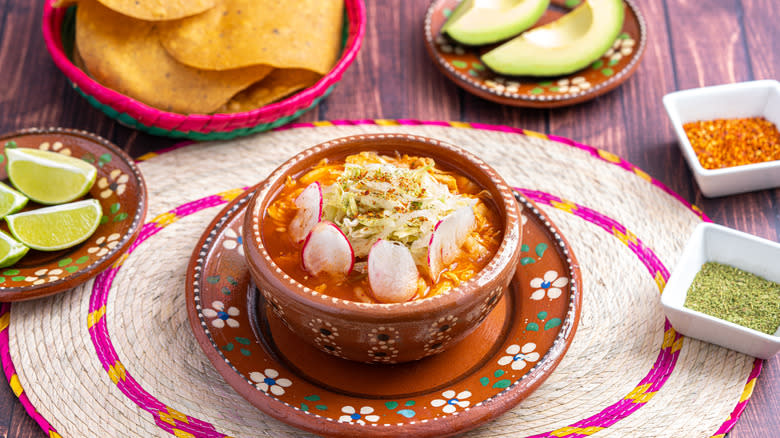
116 357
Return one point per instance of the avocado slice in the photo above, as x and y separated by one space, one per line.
475 22
564 46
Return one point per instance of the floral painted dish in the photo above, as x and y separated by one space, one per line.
462 65
121 191
505 359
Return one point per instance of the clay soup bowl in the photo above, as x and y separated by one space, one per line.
384 333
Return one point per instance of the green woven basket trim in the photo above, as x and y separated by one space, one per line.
129 121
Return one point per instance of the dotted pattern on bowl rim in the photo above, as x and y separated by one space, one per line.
488 271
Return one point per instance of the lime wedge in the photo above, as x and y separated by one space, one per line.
57 227
10 250
48 177
11 201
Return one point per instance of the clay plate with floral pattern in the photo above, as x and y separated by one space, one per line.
514 350
462 65
121 191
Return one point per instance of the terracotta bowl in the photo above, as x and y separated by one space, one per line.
384 333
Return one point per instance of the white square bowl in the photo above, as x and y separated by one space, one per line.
716 243
740 100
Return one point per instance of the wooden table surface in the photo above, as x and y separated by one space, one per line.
691 44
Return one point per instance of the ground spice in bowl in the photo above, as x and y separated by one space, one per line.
734 142
736 296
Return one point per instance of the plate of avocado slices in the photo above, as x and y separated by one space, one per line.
536 53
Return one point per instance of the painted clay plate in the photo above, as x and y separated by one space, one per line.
462 64
505 359
121 191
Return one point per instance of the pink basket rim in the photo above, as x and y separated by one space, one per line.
51 26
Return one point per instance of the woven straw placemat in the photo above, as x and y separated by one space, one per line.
116 357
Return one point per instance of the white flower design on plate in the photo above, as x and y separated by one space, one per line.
550 285
269 381
359 417
221 315
233 240
452 401
519 357
44 275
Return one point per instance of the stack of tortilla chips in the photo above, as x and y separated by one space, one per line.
207 56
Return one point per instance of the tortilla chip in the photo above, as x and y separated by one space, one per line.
78 61
278 84
125 54
302 34
155 10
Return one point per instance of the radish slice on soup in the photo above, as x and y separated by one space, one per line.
309 204
326 249
447 238
392 273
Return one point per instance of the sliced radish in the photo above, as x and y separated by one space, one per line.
447 238
309 204
392 273
327 249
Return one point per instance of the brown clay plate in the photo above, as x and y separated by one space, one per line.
505 359
121 191
462 64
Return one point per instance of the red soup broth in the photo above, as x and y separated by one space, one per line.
286 253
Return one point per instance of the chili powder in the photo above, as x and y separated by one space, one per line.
723 143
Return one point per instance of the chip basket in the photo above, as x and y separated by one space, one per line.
59 34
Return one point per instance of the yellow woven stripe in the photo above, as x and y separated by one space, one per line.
322 123
677 345
567 206
16 387
95 316
643 175
748 390
460 124
120 261
720 435
182 434
147 156
659 280
117 372
534 134
176 415
4 321
386 122
166 418
231 194
568 430
638 395
53 434
626 237
165 219
696 209
668 338
609 156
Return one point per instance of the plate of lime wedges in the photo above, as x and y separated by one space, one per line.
71 203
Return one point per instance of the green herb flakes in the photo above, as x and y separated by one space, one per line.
737 296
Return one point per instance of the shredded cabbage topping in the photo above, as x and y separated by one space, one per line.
379 200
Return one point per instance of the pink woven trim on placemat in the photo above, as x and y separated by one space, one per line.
168 418
13 379
642 393
667 358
